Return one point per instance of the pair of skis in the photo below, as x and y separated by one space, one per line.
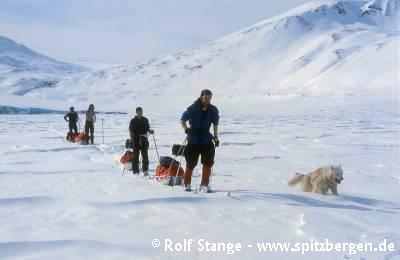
198 190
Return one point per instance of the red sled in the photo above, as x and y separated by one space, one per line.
75 137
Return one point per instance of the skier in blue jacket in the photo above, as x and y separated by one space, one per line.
201 114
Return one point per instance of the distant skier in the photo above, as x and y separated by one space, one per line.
139 127
89 124
72 117
200 115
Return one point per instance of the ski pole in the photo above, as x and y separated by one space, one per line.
123 172
102 128
79 130
211 174
155 145
183 152
179 165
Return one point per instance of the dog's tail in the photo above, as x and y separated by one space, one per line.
296 179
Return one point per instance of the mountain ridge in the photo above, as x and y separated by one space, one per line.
327 47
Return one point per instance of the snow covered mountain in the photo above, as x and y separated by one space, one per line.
323 76
23 70
321 48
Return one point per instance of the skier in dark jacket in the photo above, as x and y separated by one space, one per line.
89 124
139 127
72 117
200 115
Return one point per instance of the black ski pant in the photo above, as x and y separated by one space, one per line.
193 151
89 127
140 146
72 126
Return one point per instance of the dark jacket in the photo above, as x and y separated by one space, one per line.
72 117
139 126
200 122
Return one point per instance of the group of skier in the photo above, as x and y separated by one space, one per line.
200 142
72 118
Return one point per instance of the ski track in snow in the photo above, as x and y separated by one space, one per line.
64 200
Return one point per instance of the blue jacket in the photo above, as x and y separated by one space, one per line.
200 122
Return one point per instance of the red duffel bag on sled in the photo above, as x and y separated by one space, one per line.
163 172
75 137
127 157
169 171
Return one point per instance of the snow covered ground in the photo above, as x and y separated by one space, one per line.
64 201
315 86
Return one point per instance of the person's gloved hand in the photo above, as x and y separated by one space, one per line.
216 141
151 131
188 130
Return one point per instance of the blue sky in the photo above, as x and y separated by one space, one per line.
127 31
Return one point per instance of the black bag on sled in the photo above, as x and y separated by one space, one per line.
128 144
167 161
178 150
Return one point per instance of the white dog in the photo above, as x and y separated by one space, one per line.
320 180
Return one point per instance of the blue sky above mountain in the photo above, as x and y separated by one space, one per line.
318 48
124 31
